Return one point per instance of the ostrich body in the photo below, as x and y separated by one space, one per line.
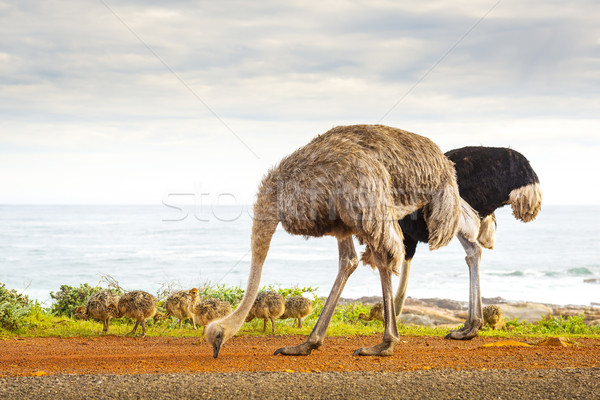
376 312
97 307
492 316
180 304
268 305
297 307
208 310
351 181
137 305
488 178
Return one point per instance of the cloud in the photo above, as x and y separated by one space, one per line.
130 80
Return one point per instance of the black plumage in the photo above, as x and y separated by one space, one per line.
486 176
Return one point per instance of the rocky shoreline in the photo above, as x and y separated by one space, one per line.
444 312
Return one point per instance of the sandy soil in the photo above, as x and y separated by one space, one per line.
159 355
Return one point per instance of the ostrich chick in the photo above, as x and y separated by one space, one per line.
97 307
268 305
208 310
180 305
297 307
492 315
376 312
138 305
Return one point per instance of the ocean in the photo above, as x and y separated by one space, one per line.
554 259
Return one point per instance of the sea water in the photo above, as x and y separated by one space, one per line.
554 259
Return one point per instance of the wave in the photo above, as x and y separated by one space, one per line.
579 271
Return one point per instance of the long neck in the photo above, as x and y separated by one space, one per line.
263 228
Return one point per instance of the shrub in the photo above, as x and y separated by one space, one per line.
296 291
69 298
231 294
14 307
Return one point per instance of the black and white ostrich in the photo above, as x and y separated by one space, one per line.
488 178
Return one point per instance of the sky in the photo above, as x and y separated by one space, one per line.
152 102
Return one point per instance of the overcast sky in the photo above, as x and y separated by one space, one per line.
143 101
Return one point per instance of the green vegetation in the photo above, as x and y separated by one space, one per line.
14 307
231 294
21 317
68 298
553 326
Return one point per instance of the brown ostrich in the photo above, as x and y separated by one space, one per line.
97 307
268 305
297 307
208 310
180 305
351 181
492 316
137 305
376 312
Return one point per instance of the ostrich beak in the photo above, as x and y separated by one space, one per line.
217 347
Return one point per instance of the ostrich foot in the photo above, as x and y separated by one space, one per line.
303 349
468 332
381 349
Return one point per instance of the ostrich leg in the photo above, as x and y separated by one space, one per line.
134 328
410 247
347 265
475 317
401 293
390 335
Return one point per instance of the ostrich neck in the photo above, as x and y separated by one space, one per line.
262 232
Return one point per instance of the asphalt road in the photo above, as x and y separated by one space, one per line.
428 384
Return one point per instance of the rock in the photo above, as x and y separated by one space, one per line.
592 280
446 304
590 313
366 300
429 316
555 341
526 312
494 300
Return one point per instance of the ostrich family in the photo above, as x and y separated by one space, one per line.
488 178
353 181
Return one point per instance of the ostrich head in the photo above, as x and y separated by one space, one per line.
113 311
80 312
217 333
194 293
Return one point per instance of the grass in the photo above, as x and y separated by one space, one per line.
40 322
345 322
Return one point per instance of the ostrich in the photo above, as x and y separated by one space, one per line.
268 305
492 316
351 181
488 178
180 304
137 305
376 312
97 307
208 310
297 307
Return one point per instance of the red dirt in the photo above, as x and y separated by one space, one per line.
124 355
